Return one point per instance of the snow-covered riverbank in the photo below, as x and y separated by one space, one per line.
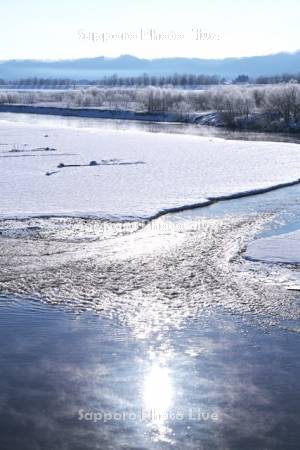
99 113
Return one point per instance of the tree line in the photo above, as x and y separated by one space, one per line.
144 80
184 80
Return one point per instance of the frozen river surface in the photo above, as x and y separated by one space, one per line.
139 174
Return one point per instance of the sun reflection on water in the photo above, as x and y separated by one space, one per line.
158 399
158 391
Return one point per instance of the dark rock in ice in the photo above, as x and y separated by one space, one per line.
48 174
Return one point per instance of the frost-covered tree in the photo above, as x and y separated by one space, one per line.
283 100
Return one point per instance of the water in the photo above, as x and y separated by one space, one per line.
285 203
151 127
163 366
135 335
218 382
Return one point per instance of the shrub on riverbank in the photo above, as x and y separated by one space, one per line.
275 107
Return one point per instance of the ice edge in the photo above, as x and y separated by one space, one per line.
212 200
207 202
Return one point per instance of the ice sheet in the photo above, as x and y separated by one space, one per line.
179 170
284 248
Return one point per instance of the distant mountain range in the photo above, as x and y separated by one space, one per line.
126 65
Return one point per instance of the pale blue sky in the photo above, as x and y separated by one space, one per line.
51 30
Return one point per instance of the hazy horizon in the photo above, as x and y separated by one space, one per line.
123 55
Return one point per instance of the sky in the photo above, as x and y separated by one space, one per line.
67 29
